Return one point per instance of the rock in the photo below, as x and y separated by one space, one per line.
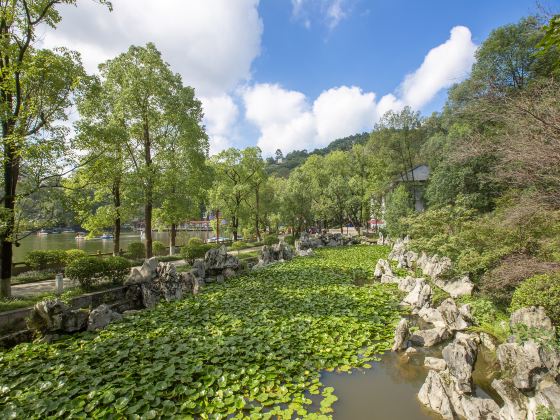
460 357
466 312
196 285
275 253
402 333
74 320
55 316
387 278
135 276
430 337
217 260
452 316
407 283
420 296
432 316
488 342
228 273
523 362
169 283
515 403
382 267
435 363
474 408
548 394
550 356
131 312
459 286
101 316
533 317
220 278
410 351
433 395
304 252
437 267
148 271
150 296
199 268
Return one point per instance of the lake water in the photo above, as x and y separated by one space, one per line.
69 241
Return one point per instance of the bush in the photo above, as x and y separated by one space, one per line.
542 290
40 260
290 240
194 241
87 271
116 269
270 239
192 252
237 245
158 248
399 206
74 254
136 250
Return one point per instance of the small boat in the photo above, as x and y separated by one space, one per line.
106 236
80 236
43 232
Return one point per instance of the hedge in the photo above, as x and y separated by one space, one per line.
542 290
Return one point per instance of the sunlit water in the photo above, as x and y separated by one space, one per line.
69 241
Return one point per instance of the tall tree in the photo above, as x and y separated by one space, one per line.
155 108
35 91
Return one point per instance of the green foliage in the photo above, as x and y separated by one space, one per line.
542 290
137 249
284 325
488 317
290 239
159 248
74 254
33 276
87 271
40 260
194 241
270 239
116 269
237 245
192 252
399 206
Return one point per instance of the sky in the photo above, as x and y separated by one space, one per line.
296 74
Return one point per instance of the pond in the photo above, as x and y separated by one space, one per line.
67 240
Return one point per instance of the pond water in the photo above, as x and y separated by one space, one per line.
67 240
388 391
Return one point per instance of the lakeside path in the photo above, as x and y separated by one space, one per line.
45 286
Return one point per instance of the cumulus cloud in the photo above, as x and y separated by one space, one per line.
220 118
287 120
331 12
211 43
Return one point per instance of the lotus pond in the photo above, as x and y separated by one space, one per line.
252 347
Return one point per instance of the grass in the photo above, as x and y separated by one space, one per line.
252 347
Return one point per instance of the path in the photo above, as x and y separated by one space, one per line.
46 286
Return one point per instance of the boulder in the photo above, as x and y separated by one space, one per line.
74 320
548 394
452 316
101 316
433 394
550 356
228 273
169 283
420 296
148 271
55 316
407 283
382 267
217 260
523 363
430 337
459 286
474 408
432 316
402 333
275 253
135 276
533 317
515 402
434 363
199 268
460 357
437 267
387 278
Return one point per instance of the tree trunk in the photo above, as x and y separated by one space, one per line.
172 238
234 224
117 223
148 207
10 181
257 214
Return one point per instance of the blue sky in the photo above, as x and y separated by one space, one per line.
297 74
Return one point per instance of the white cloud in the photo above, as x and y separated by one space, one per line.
443 66
286 120
220 118
331 12
211 43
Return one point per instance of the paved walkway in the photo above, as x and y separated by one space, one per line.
46 286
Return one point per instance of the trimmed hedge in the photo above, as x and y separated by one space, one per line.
542 290
158 248
136 250
270 239
74 254
192 252
88 271
40 260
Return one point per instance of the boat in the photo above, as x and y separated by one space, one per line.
80 236
43 232
106 236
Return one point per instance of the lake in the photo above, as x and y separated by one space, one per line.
68 240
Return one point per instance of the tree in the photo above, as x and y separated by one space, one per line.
279 156
35 91
399 206
155 108
295 199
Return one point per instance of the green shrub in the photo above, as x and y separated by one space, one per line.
194 241
270 239
74 254
136 250
192 252
158 248
290 240
40 260
116 269
239 245
542 290
87 271
34 276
